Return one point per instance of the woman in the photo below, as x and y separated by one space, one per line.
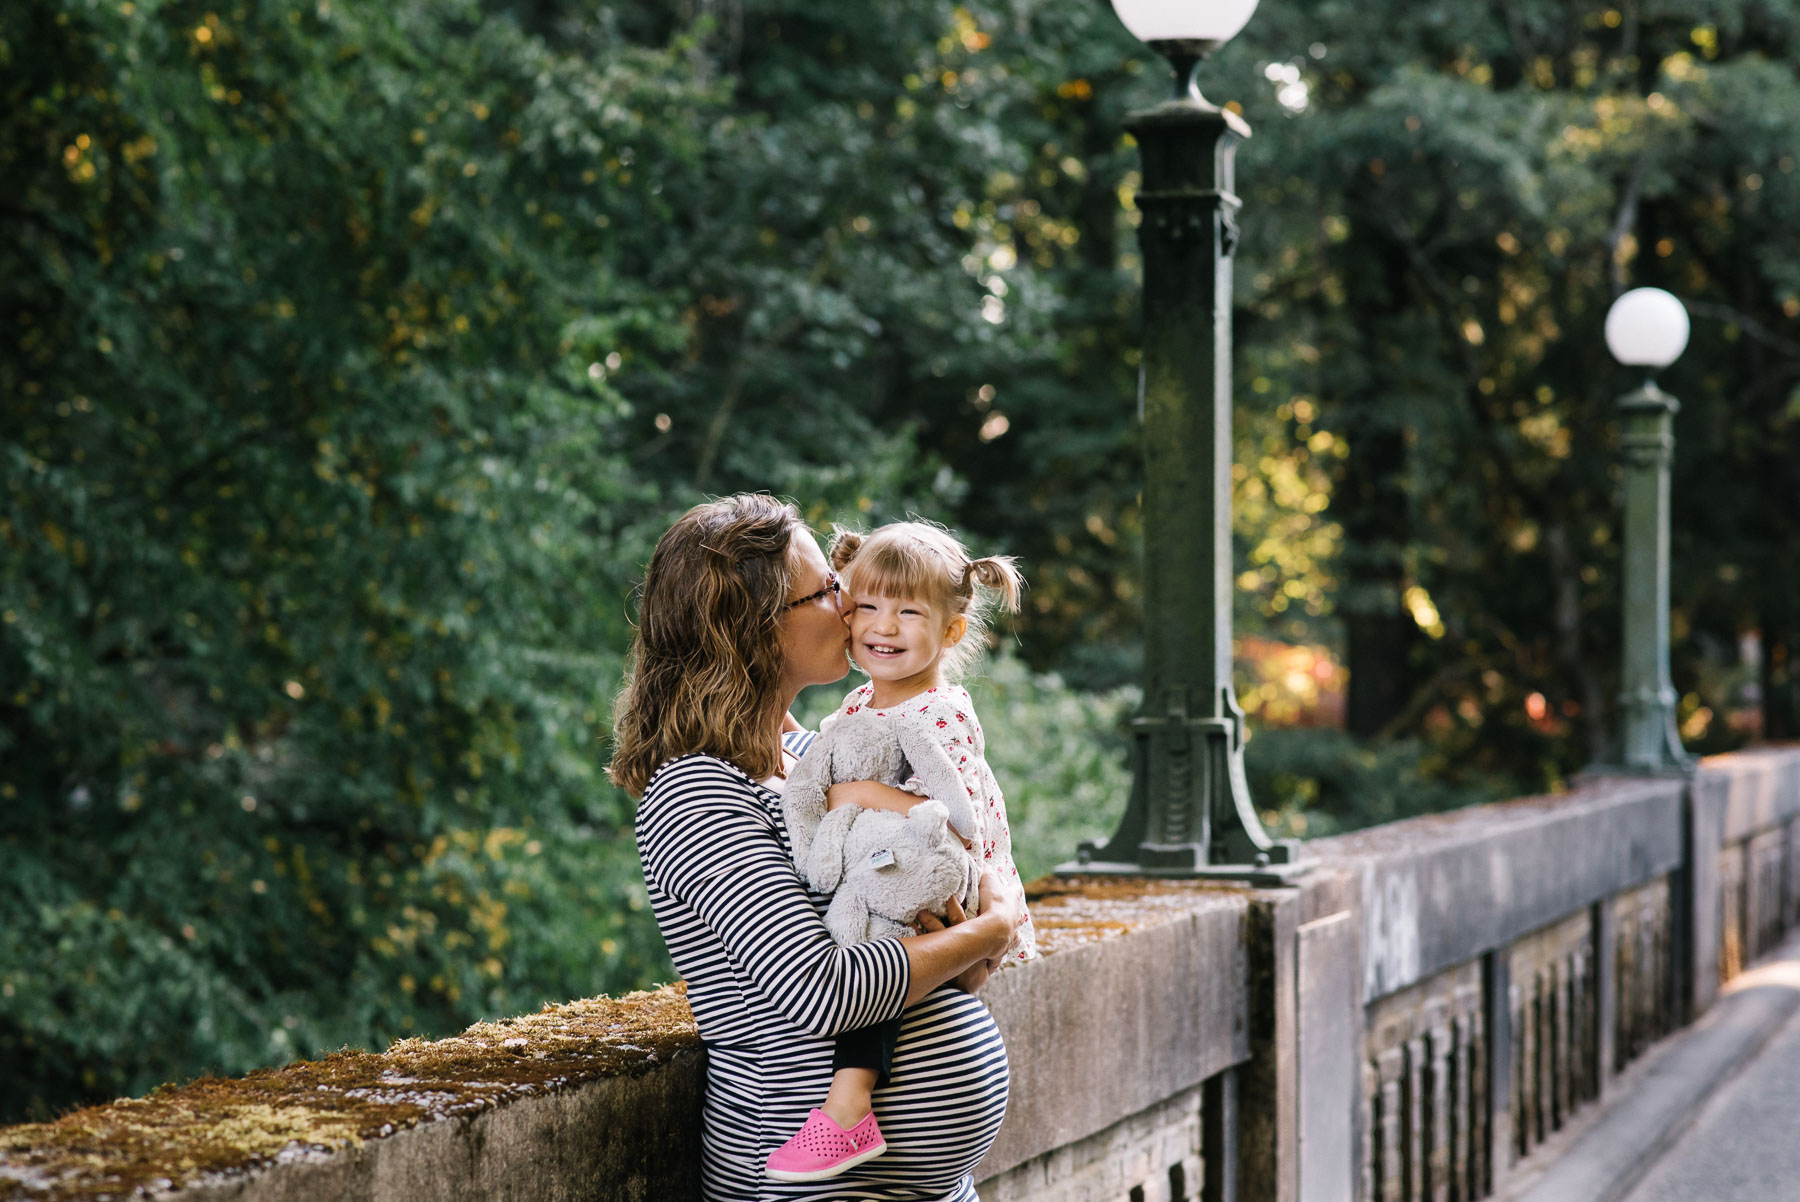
740 612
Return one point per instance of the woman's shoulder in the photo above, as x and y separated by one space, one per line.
700 816
698 778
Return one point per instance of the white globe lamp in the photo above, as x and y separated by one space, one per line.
1184 32
1214 22
1647 327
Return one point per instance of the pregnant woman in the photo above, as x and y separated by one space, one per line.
740 612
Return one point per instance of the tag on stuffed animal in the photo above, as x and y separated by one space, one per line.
882 859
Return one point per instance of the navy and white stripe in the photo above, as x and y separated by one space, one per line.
769 988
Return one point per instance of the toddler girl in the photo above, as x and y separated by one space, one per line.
916 626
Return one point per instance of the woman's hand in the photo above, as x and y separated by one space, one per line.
1000 902
959 949
1000 914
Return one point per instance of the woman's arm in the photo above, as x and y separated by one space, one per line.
708 844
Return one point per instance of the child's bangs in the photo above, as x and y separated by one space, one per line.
886 569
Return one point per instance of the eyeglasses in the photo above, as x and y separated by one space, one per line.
834 588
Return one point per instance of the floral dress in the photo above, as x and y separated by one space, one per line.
948 715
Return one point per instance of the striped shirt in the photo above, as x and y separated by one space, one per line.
769 988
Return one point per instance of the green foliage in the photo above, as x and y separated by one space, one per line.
1436 227
1059 755
304 462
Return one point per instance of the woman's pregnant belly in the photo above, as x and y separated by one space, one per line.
939 1112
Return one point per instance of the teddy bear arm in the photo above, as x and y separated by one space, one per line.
824 865
931 764
803 799
848 918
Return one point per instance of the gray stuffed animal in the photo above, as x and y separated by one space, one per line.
890 868
885 867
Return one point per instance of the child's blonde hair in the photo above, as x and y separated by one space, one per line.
923 561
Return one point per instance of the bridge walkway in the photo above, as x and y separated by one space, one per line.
1744 1146
1710 1115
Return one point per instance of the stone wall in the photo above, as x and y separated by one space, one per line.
1139 999
1409 1022
1154 1155
1517 957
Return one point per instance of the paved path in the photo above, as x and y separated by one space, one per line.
1744 1145
1711 1114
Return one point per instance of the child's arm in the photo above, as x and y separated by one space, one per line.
870 795
873 795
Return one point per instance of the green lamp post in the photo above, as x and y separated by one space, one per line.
1648 328
1190 812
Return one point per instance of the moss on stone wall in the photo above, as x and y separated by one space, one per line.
1068 912
179 1134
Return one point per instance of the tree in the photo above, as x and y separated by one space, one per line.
318 506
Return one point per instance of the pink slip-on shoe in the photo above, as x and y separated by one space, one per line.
822 1149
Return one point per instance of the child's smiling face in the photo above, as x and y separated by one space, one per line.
899 641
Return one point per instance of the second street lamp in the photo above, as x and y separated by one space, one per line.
1647 328
1190 812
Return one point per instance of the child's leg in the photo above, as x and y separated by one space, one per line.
842 1132
860 1065
850 1096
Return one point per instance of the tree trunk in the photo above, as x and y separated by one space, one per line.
1371 501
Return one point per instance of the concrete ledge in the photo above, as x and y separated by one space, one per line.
1133 1020
548 1106
604 1139
1653 1102
1139 997
1439 891
1757 790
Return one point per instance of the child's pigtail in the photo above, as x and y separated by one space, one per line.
844 546
1000 573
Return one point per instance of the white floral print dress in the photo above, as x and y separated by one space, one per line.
947 714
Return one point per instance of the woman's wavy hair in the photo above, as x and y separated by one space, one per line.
925 562
706 662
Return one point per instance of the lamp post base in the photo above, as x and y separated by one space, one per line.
1281 864
1261 876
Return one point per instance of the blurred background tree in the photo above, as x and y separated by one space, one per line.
354 356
